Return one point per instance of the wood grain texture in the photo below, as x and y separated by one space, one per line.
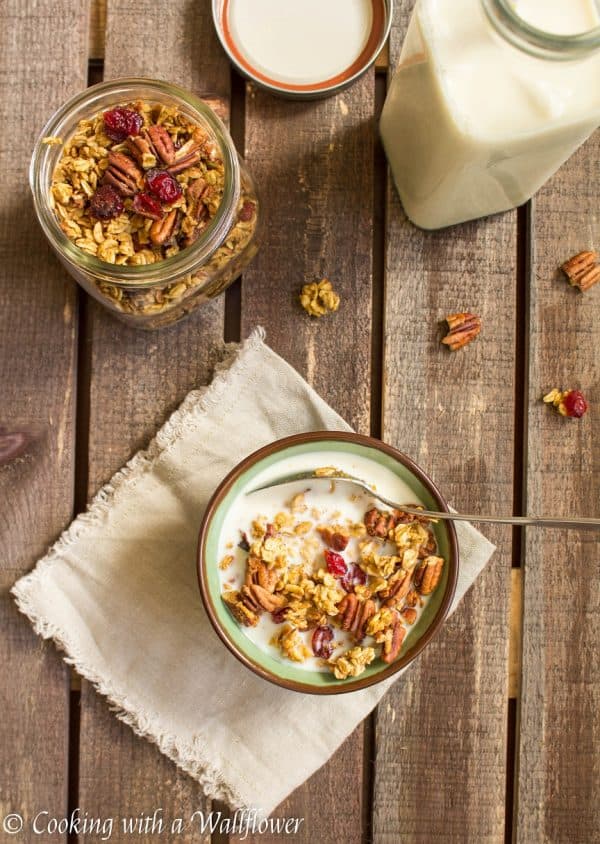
41 65
559 771
441 731
313 163
97 31
136 380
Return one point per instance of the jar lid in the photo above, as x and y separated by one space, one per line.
302 48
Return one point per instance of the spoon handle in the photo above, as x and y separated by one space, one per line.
581 522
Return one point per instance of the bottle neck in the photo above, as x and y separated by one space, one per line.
536 42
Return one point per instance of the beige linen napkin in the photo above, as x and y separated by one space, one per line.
118 594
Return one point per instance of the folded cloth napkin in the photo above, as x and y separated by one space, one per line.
118 594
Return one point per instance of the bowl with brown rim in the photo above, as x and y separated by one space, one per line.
355 454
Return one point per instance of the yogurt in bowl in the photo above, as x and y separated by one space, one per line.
314 585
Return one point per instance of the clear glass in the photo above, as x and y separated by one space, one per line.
483 107
537 42
158 294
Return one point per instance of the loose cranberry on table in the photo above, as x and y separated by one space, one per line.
322 642
106 203
575 404
121 122
336 564
164 186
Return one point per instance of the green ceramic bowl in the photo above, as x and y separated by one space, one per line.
232 634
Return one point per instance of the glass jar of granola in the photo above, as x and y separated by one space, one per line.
139 189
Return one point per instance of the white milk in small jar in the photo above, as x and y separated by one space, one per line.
489 98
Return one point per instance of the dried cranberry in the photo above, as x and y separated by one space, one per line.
279 615
106 203
247 211
121 122
163 185
355 576
575 404
336 564
147 206
243 543
322 642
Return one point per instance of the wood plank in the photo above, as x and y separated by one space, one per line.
97 32
313 163
559 774
137 379
42 63
441 732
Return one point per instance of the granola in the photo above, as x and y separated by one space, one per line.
135 186
319 298
329 595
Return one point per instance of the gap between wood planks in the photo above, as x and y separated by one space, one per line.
232 334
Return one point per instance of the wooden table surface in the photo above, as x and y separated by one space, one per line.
493 735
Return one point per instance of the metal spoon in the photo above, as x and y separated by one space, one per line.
533 521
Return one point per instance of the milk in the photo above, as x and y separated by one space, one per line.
302 42
472 125
345 502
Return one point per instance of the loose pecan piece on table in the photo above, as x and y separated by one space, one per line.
582 270
464 328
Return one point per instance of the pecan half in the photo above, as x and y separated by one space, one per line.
266 600
186 156
123 174
337 541
428 573
162 143
393 642
398 588
142 150
244 614
463 327
379 522
347 609
258 572
582 270
355 614
162 230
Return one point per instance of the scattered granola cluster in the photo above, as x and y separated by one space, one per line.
319 298
296 571
136 185
567 402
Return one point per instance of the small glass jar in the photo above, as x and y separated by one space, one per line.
484 106
155 294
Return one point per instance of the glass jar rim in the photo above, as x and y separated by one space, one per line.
538 42
144 275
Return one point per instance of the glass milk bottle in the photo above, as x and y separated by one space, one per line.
489 98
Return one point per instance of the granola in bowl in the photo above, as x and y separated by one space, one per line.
314 584
337 591
143 181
